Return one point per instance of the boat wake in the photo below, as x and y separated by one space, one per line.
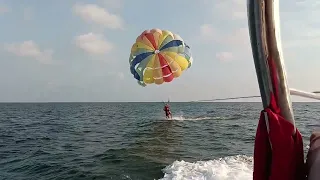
182 118
228 168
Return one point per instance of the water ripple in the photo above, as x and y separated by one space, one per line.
126 140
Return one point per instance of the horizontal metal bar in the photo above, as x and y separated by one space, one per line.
304 94
294 92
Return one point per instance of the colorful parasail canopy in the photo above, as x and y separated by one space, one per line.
159 56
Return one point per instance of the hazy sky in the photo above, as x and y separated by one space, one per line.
78 50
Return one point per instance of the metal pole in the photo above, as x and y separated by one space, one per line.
264 29
304 94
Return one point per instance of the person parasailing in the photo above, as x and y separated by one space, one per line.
167 111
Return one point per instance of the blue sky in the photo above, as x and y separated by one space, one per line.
78 50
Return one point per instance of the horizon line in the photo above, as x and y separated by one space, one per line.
44 102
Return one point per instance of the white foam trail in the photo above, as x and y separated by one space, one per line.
227 168
182 118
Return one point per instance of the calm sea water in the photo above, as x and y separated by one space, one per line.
133 140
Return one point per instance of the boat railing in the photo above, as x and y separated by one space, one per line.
294 92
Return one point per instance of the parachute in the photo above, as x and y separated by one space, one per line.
159 56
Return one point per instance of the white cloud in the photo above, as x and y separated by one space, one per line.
234 41
4 9
239 36
228 19
207 31
300 23
30 49
227 30
309 4
93 43
116 4
224 56
231 9
116 74
121 75
92 13
231 37
27 14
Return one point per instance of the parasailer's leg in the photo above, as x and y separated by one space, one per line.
313 157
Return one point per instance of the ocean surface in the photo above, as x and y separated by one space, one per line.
93 141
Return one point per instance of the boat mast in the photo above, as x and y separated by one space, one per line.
264 30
